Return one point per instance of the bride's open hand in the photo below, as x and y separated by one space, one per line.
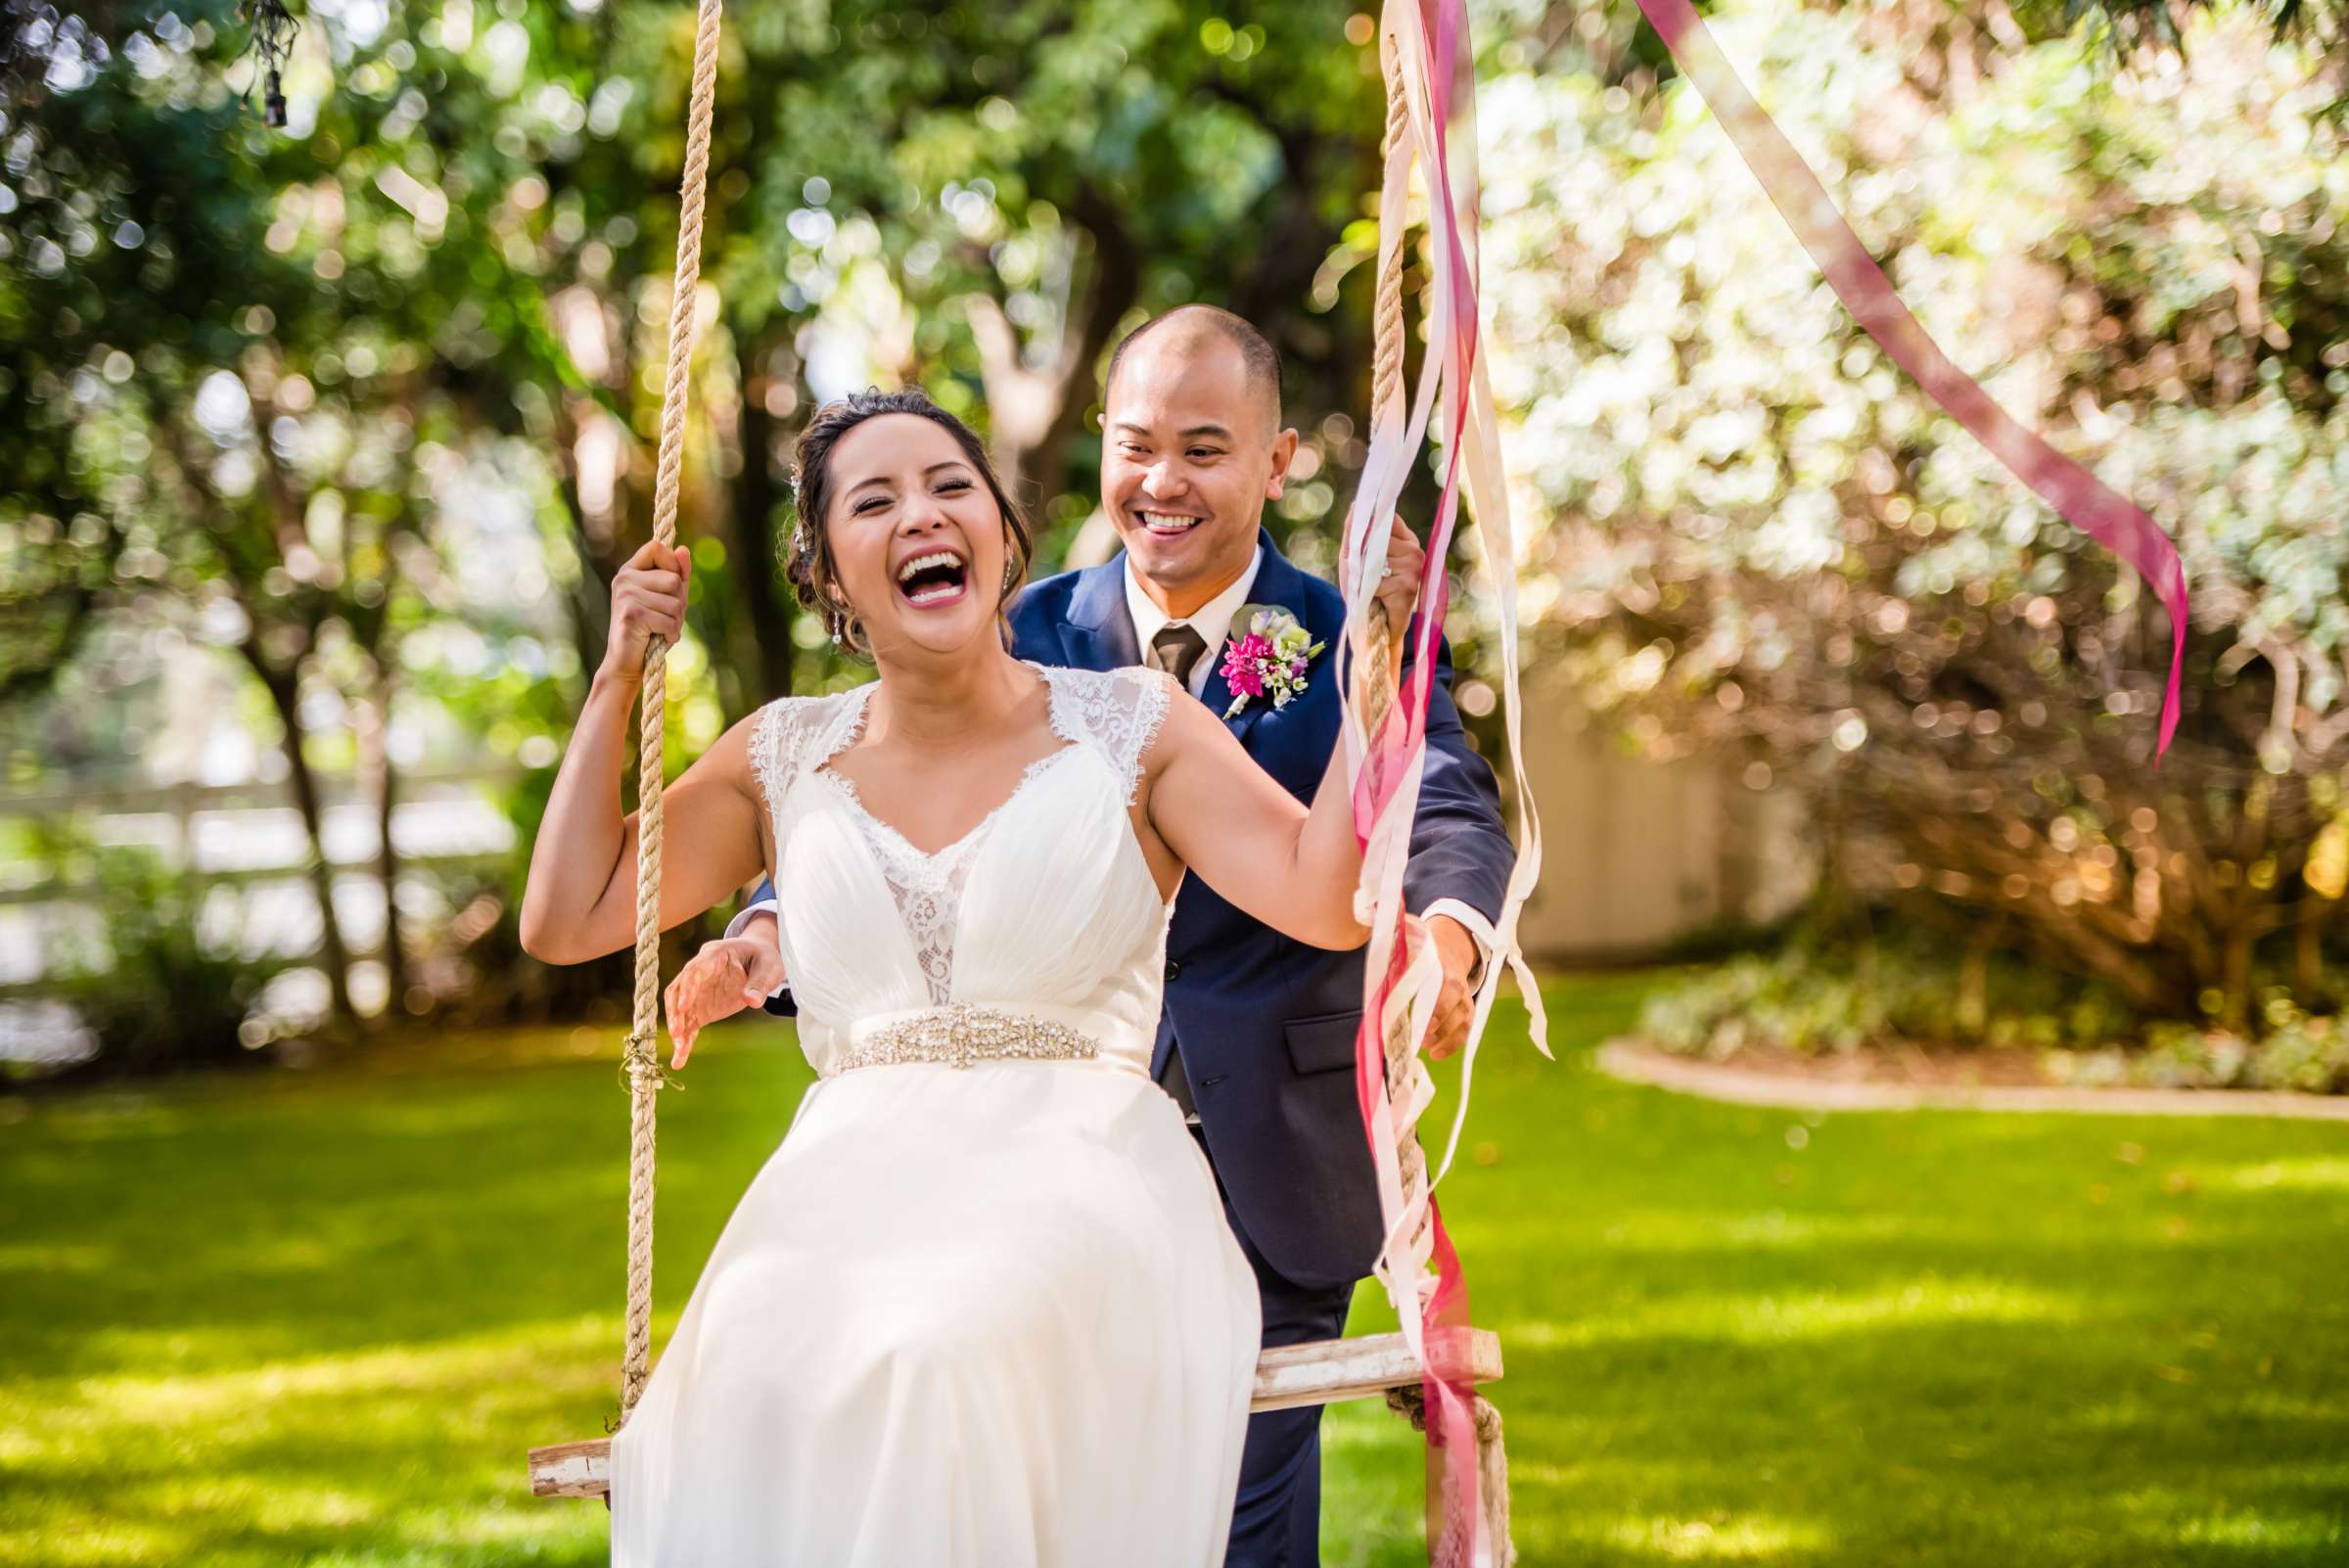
721 980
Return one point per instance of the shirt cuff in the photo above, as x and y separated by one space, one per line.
1472 921
736 926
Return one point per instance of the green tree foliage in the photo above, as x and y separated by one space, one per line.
372 402
1755 528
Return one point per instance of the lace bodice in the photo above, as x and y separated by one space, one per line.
927 886
1072 916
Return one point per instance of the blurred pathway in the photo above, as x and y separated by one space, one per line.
1635 1063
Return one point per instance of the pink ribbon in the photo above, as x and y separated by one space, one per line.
1392 763
1387 778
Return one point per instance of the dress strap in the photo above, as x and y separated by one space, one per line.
1117 712
795 735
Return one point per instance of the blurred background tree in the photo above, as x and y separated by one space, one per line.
1758 531
369 404
329 438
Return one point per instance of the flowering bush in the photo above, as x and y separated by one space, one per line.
1747 526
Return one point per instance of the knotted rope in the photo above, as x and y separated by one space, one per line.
1386 363
1469 1516
1492 1465
640 1062
1379 648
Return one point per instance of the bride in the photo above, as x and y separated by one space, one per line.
981 1307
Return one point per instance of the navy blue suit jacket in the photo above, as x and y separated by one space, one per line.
1268 1024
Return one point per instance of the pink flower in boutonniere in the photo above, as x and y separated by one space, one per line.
1243 661
1269 657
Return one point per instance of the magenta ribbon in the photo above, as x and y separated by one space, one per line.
1449 1399
2078 496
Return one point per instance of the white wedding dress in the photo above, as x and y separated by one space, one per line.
981 1307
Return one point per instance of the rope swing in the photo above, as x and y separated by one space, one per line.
640 1059
1384 735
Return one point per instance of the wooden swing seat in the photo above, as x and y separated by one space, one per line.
1324 1373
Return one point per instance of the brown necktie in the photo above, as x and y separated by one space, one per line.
1176 650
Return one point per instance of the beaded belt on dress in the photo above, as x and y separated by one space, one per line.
962 1036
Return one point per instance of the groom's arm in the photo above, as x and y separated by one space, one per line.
1460 848
763 903
1458 873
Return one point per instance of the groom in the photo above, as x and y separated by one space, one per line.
1257 1036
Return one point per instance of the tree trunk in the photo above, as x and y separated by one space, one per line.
376 757
2137 972
2235 980
1034 414
1292 250
2308 948
1117 285
1974 979
284 688
591 595
759 579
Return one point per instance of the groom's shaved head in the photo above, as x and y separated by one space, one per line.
1188 327
1192 450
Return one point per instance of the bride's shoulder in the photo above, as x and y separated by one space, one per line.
790 729
1100 680
1118 712
786 709
1111 703
1132 681
786 717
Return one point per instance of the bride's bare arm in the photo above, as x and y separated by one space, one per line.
1234 825
582 899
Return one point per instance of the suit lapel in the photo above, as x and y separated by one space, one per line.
1278 583
1099 634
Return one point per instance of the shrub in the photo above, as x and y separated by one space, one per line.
1818 996
1824 991
166 980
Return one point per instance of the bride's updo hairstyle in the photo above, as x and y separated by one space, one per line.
812 569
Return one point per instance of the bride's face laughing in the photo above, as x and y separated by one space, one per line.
918 539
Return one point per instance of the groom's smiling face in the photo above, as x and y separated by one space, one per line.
1192 450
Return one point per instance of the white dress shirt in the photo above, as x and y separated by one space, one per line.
1212 620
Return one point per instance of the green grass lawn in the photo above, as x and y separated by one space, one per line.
315 1318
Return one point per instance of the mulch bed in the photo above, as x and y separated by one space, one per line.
1908 1077
2003 1066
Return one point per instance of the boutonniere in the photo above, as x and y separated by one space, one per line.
1269 657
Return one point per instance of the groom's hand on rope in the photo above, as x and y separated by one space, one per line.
1455 1004
721 980
1399 587
648 600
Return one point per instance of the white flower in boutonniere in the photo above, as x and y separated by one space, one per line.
1269 657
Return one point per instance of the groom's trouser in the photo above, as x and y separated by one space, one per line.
1277 1522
